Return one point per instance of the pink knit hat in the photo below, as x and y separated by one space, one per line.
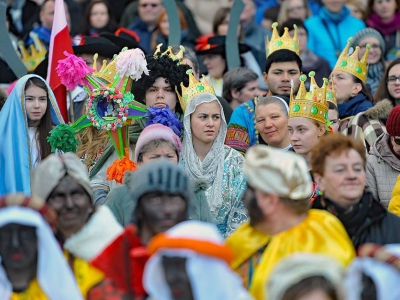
155 132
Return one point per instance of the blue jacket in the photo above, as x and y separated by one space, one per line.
341 26
144 34
354 106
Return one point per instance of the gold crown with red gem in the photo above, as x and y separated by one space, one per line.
194 89
351 64
310 104
282 42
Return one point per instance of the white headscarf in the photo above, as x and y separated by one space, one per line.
53 273
211 169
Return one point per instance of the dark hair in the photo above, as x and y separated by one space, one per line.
165 67
331 105
219 18
289 24
85 27
382 92
283 55
370 11
155 144
236 79
3 97
299 207
364 89
309 284
334 145
45 125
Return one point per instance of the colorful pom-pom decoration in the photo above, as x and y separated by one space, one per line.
62 138
164 116
117 170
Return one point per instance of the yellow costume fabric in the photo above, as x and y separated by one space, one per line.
394 204
86 276
247 244
320 232
33 292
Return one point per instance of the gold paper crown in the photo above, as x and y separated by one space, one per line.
37 53
108 71
351 64
195 88
331 96
310 104
169 53
282 42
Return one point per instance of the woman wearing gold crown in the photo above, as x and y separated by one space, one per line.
205 156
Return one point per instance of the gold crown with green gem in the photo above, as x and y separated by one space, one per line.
282 42
331 96
351 64
194 89
310 104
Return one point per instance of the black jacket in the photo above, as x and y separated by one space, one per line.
366 222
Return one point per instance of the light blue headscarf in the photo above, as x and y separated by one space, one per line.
15 160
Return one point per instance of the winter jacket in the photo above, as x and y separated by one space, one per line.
353 106
341 26
394 204
365 222
369 125
119 201
383 168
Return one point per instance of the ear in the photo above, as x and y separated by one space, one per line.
265 75
319 180
356 89
321 130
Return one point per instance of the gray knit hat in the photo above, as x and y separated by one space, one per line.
368 32
161 175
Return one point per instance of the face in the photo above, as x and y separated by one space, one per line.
177 277
248 12
375 51
272 124
249 91
18 247
159 212
205 123
162 151
279 76
150 10
385 9
334 6
36 104
304 134
333 116
315 295
72 205
215 65
344 178
47 14
302 36
393 82
355 11
99 16
161 94
344 86
395 140
296 10
164 26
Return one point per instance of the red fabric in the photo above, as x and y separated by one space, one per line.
123 262
60 41
202 42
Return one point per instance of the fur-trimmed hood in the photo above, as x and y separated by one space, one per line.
101 229
380 110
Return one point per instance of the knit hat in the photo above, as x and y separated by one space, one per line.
393 122
293 269
276 172
160 175
48 174
366 32
156 132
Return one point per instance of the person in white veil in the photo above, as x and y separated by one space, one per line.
32 264
205 157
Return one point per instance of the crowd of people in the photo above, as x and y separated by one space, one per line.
178 176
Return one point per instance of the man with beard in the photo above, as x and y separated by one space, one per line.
161 193
278 204
282 72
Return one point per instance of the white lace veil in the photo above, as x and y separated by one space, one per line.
211 169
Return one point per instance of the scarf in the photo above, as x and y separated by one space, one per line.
354 106
375 73
334 17
385 28
211 169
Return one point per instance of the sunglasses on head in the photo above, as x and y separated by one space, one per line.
396 140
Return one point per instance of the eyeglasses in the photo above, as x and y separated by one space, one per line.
392 79
396 140
292 9
373 46
153 5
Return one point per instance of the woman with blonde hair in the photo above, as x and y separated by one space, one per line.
293 9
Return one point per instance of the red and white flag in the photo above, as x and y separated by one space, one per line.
60 41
